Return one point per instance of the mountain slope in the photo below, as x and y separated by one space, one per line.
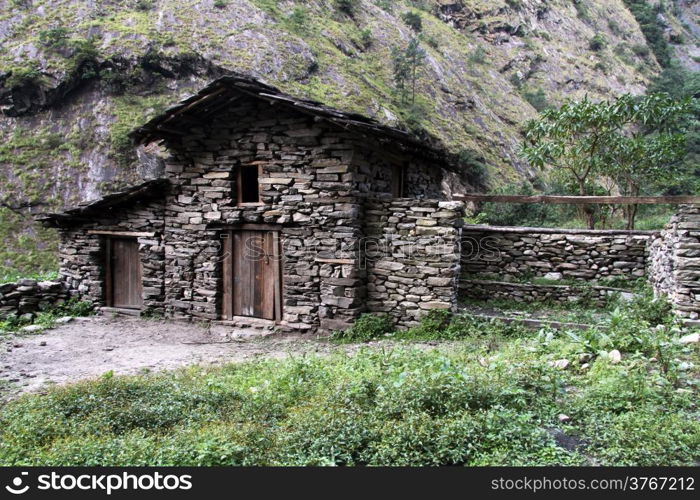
75 77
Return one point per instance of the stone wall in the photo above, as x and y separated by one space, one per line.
411 252
26 297
82 253
314 177
674 262
517 252
530 292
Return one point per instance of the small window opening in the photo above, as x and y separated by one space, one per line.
397 181
249 189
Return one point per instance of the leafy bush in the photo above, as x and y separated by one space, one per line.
386 5
641 50
24 75
597 43
366 37
347 6
647 307
144 5
440 324
299 19
537 99
53 37
473 165
367 327
477 56
413 21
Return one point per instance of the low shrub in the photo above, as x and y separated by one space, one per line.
597 43
367 327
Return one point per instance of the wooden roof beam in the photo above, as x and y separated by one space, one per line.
579 200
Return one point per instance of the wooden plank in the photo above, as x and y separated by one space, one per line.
268 277
131 234
137 275
248 272
120 278
254 227
579 200
109 285
257 262
237 274
335 261
277 274
227 276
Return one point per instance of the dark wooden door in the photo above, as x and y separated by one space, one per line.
251 275
124 269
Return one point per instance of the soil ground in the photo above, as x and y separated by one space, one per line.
89 347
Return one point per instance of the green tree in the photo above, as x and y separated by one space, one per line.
633 141
407 64
413 21
648 147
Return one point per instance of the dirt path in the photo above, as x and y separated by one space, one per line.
89 347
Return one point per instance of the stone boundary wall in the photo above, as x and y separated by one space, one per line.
411 251
517 252
528 292
26 297
674 262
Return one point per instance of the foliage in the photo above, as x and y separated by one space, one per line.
386 5
220 4
19 76
144 5
631 140
526 214
413 21
24 253
478 55
407 64
53 37
347 6
652 28
490 399
597 43
47 317
473 165
682 84
130 111
366 37
367 327
11 277
299 19
537 98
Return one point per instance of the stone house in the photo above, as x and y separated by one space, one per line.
270 207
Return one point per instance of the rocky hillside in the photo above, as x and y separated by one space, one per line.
76 76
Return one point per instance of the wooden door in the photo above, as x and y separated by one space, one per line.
124 283
252 284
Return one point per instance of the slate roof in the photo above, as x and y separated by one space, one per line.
224 91
106 206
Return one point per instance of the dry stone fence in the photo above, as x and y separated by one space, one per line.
416 255
27 296
674 262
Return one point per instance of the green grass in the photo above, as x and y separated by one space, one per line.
12 276
491 398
